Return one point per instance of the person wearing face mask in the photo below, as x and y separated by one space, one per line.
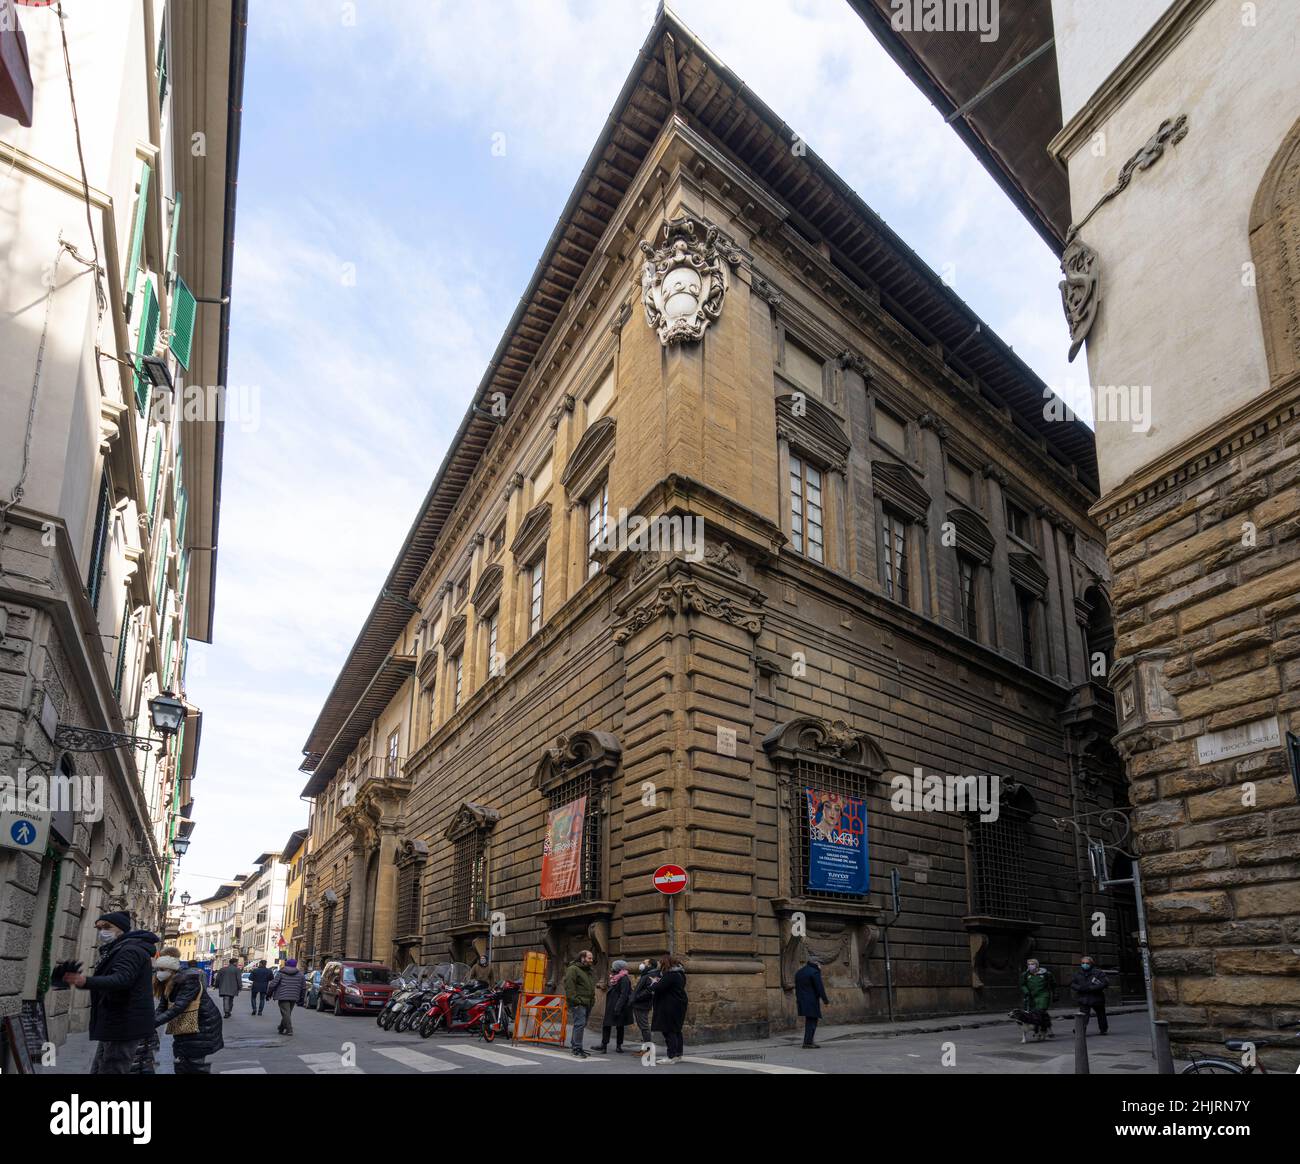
1089 986
1038 992
121 997
188 1012
643 999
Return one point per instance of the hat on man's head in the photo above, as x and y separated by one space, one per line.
292 962
119 918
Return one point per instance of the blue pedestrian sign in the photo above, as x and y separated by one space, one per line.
19 831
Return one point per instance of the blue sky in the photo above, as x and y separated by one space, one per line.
381 247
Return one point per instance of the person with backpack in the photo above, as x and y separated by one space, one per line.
618 1000
288 989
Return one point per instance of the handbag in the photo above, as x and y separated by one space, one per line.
187 1022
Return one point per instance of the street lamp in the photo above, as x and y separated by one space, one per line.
179 845
185 900
167 713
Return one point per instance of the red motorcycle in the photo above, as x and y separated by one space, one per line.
477 1009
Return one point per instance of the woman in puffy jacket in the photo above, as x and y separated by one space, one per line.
190 1015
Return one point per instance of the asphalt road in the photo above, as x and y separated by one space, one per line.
327 1045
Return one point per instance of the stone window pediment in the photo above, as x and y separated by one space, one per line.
813 428
488 591
532 535
896 485
1027 572
471 818
590 458
973 534
454 637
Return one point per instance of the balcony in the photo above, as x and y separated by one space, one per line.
380 770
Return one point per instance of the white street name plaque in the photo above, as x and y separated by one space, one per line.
1237 741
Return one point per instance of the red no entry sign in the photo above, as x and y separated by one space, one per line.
670 879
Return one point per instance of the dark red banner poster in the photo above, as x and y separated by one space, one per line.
562 850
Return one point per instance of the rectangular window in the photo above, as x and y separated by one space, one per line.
136 252
597 524
802 367
390 763
599 399
806 518
493 624
469 887
499 539
536 579
1026 602
1018 522
568 793
960 482
893 555
966 572
458 664
890 430
462 589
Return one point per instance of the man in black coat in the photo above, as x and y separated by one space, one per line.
259 978
1089 986
121 992
809 994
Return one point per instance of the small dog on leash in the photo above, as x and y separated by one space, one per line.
1032 1022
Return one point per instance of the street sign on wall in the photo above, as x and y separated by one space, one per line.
670 879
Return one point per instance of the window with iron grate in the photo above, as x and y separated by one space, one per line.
341 938
997 864
327 928
408 898
567 793
829 778
469 886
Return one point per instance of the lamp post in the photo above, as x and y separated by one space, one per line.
166 714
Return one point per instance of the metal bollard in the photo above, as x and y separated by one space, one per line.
1081 1043
1164 1054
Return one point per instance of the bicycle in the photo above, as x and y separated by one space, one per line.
1216 1066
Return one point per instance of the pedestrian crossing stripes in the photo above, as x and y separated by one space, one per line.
420 1061
497 1057
329 1063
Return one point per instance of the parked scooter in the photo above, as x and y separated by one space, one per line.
478 1009
409 983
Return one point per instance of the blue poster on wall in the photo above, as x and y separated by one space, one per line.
837 842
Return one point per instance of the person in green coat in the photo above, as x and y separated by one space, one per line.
580 993
1038 991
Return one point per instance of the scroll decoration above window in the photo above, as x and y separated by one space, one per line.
684 278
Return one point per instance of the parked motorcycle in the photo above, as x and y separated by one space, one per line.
408 983
477 1008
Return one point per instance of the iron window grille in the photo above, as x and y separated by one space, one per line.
408 898
819 776
327 928
997 862
342 941
585 785
469 885
1026 603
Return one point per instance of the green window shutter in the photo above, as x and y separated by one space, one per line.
137 237
167 658
183 307
160 573
99 542
123 634
145 342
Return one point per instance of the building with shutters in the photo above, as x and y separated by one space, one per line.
1156 147
566 681
116 239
